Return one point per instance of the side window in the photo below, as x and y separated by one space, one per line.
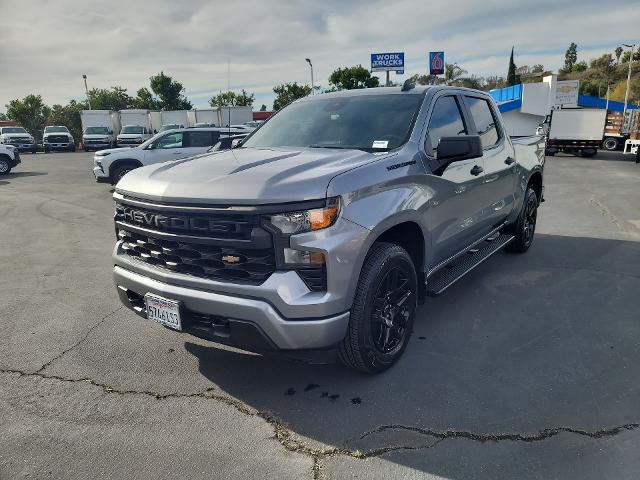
202 139
173 140
484 120
446 121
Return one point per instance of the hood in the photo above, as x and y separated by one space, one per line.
244 176
131 135
116 150
95 136
17 135
56 134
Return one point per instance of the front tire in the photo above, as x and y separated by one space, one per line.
5 166
383 310
525 226
120 172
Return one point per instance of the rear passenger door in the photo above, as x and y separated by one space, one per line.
499 160
197 142
455 215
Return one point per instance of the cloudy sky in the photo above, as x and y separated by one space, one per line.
46 46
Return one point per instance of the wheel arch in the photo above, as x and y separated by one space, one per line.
535 180
407 233
121 162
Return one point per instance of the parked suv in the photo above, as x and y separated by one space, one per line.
330 223
57 137
9 158
112 164
19 138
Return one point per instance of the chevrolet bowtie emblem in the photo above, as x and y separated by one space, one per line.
230 259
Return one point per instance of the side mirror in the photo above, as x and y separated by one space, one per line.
235 142
454 149
110 132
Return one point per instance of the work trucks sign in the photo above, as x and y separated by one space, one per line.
384 62
567 93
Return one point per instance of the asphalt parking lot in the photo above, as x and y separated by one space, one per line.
528 368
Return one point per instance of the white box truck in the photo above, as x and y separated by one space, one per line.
99 129
136 127
575 130
235 115
206 117
174 119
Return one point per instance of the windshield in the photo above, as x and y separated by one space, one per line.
169 127
55 129
13 130
96 131
363 122
131 130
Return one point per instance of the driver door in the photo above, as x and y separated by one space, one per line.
167 147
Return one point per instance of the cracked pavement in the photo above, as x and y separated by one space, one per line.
525 369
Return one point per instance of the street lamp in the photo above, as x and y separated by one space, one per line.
86 90
626 95
311 66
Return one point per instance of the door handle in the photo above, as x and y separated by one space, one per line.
476 170
509 161
175 153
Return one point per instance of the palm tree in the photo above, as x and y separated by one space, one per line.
453 72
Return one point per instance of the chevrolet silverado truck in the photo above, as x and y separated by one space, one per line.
19 138
112 164
323 231
57 137
9 158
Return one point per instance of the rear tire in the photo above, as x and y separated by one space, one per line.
525 226
610 144
383 310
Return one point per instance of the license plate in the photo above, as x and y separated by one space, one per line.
164 311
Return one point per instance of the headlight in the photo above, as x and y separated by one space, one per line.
102 154
307 220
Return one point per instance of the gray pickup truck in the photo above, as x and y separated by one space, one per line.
326 228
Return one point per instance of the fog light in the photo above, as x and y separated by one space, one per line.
303 257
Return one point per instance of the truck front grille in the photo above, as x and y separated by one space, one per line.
217 245
242 265
57 139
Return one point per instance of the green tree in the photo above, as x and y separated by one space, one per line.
145 99
30 112
263 108
423 79
69 116
618 51
512 77
287 93
115 99
570 57
3 116
493 81
579 66
627 54
232 99
170 92
349 78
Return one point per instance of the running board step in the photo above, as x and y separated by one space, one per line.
451 273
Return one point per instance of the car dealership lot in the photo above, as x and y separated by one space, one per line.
528 370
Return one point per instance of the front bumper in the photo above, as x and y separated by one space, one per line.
248 323
57 146
101 176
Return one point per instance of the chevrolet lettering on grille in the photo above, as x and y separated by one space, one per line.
172 222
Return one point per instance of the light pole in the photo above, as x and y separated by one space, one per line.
626 95
311 66
86 90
